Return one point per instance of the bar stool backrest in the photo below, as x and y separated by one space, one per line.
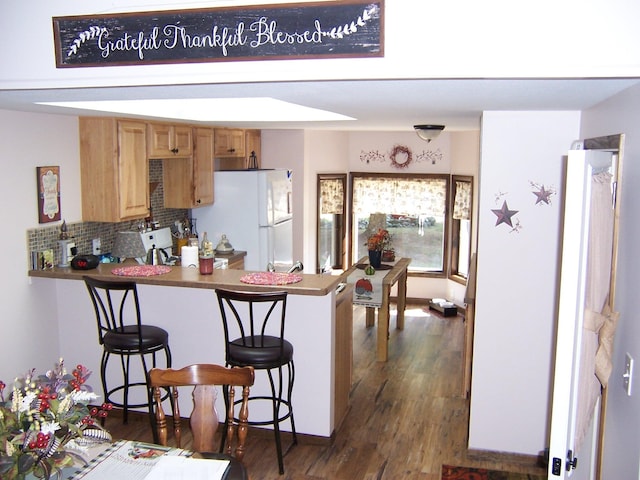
116 305
249 318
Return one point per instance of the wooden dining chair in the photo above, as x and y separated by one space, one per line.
204 419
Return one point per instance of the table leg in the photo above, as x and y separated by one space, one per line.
383 326
370 314
402 300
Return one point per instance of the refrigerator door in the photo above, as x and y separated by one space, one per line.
274 191
276 246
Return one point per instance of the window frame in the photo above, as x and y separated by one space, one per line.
341 264
446 228
453 269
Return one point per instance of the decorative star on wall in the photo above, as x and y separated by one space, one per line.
543 195
504 214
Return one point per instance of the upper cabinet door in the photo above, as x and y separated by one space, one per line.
133 170
203 167
229 142
166 141
114 169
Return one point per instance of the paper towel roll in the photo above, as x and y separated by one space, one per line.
189 257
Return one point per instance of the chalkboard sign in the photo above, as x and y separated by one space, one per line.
258 32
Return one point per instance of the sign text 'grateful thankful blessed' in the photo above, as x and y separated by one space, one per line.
258 32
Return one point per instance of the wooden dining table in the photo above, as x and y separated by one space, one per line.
397 274
134 460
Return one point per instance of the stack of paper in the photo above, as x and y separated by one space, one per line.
185 468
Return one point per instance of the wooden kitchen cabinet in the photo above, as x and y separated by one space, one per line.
114 171
229 143
188 182
343 365
167 141
252 142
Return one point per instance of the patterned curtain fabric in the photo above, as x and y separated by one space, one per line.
331 196
462 202
417 196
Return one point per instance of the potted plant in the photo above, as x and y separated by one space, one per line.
46 420
376 244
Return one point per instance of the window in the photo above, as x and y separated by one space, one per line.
412 207
461 211
331 226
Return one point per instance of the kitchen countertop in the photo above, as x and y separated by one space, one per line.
311 284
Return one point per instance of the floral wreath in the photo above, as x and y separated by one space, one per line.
402 150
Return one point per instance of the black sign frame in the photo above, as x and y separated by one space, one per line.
346 29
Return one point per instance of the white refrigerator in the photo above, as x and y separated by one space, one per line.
253 209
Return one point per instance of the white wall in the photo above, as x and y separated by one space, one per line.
516 282
27 314
473 40
324 152
622 439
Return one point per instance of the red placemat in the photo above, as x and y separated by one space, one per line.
270 278
141 270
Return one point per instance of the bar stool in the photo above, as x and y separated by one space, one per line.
121 333
254 336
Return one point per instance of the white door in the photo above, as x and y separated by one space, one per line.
581 165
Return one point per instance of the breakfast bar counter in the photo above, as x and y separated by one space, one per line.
183 302
317 285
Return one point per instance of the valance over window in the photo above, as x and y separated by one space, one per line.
419 196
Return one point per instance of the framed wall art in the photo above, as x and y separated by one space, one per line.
48 194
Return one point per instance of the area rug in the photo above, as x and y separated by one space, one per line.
466 473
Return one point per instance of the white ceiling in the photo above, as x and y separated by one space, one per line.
393 105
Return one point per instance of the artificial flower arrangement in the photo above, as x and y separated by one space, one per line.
47 422
380 249
379 241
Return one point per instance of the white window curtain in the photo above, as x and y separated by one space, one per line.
599 321
402 196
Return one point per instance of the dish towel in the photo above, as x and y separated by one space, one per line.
367 289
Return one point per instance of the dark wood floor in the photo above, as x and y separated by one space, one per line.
407 417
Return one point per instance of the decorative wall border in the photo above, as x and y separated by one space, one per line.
351 28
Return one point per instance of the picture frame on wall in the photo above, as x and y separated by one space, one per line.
48 194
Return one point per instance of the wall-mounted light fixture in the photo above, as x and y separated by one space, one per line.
428 132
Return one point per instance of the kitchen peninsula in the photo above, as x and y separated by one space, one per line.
319 325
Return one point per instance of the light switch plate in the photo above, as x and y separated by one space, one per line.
627 376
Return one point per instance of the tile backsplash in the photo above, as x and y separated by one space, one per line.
82 233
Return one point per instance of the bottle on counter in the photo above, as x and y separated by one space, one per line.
206 248
206 255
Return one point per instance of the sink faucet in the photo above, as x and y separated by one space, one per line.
296 267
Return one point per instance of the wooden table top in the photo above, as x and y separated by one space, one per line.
392 274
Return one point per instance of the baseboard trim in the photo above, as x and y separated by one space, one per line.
522 460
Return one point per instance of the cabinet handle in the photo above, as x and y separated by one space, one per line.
231 150
174 151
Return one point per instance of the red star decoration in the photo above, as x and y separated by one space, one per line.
543 195
504 215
